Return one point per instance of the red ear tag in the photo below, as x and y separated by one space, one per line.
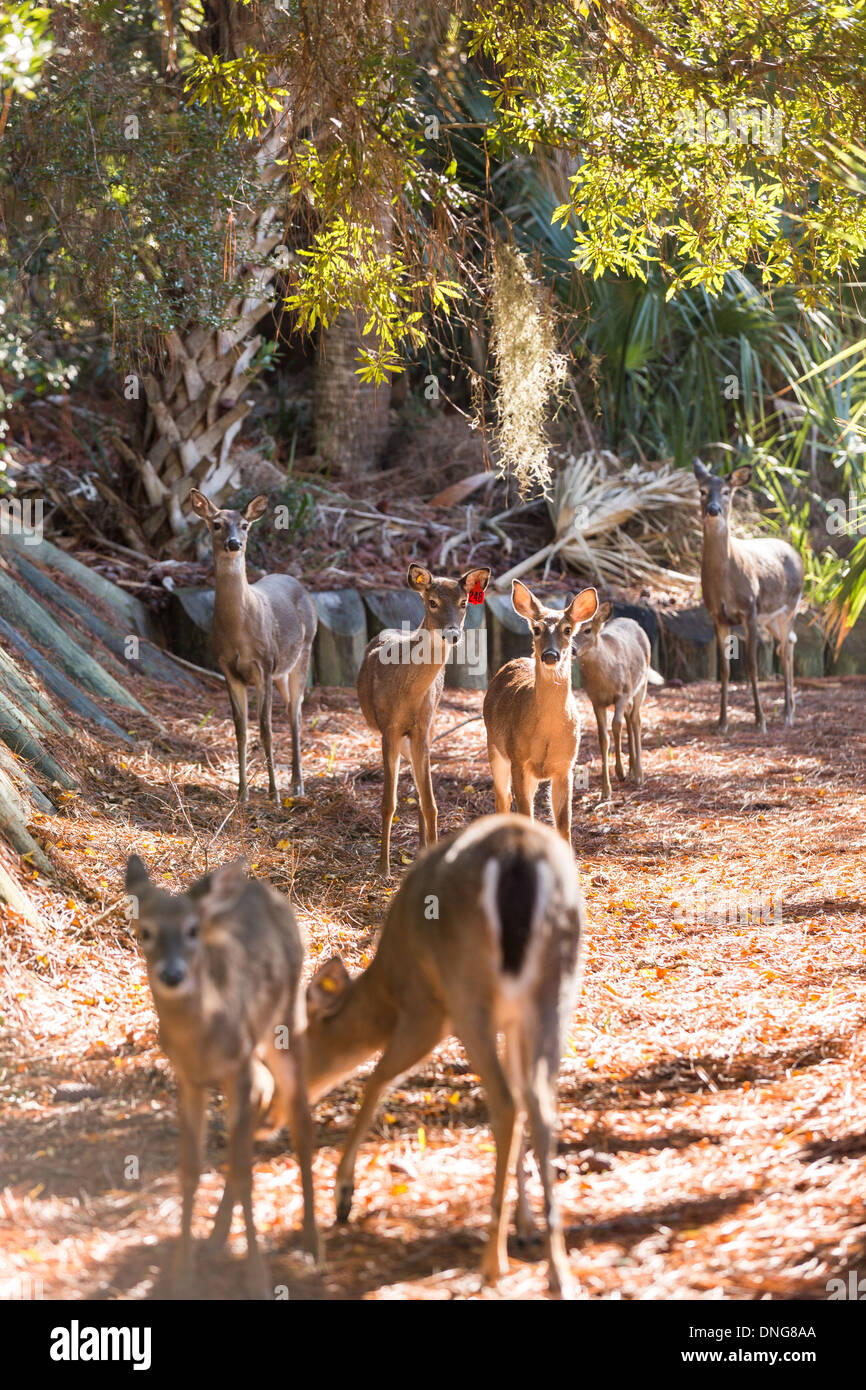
476 595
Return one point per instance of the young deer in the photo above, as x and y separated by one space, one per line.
400 685
532 717
484 936
262 635
224 961
614 671
755 582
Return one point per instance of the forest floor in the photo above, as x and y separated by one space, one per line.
713 1091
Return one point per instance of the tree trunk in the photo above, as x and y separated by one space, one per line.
350 417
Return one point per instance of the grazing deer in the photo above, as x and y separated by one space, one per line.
615 671
400 685
224 961
755 582
262 635
532 717
484 936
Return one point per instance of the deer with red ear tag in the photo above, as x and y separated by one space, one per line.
532 717
400 685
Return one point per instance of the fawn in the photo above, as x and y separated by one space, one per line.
484 936
262 635
755 582
400 685
224 962
531 715
615 671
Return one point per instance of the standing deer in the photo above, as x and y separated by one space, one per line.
532 717
614 660
755 582
262 635
400 685
224 964
484 936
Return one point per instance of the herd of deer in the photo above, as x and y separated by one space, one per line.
485 935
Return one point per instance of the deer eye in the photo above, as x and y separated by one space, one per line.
191 931
566 631
217 526
432 603
537 629
145 935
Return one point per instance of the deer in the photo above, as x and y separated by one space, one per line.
755 582
530 712
400 685
484 936
262 635
223 964
615 670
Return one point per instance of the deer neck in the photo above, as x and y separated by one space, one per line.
232 590
338 1043
423 641
716 556
552 685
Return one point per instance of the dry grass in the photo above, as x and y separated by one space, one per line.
712 1101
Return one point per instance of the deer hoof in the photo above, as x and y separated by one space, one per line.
311 1243
345 1193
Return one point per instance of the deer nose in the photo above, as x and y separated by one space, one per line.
550 657
172 973
714 509
233 544
451 634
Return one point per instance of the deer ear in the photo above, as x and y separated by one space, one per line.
741 477
602 614
418 577
524 602
702 474
475 579
583 606
225 887
137 877
327 987
256 508
201 505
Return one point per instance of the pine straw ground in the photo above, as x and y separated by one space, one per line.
713 1112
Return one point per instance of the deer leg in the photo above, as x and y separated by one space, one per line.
635 755
239 1183
723 633
514 1067
752 662
524 791
291 1067
238 697
266 705
297 683
786 652
191 1115
411 1040
477 1032
391 765
501 769
604 749
616 727
541 1108
420 753
560 802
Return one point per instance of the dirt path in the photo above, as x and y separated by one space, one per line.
712 1099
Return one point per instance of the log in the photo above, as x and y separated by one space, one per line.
26 786
41 712
131 613
14 815
60 686
149 661
341 637
75 661
17 733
